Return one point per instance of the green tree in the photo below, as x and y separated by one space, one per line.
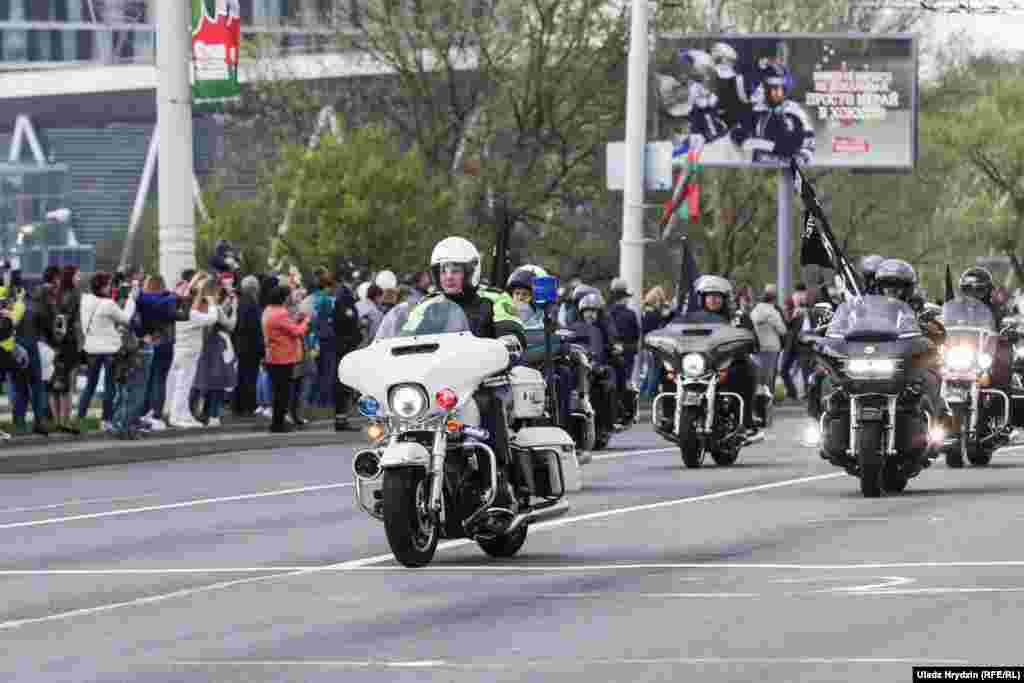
986 132
363 198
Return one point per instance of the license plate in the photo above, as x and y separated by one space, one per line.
691 398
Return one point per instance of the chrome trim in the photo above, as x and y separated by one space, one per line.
437 468
359 501
654 406
1006 403
891 429
492 492
712 392
539 515
380 470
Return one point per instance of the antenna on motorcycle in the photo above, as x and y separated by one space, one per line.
545 293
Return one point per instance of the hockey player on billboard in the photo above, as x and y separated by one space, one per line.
780 129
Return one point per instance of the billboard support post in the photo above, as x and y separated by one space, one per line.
631 249
784 234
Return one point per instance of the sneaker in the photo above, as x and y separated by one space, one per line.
214 422
106 426
186 424
157 425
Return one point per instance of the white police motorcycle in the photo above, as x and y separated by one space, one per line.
429 473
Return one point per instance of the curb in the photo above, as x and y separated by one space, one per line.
41 456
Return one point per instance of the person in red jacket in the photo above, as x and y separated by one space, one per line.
283 337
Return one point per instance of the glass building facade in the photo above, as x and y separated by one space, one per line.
35 33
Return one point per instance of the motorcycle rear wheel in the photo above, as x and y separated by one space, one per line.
411 528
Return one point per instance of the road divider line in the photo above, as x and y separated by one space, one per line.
520 663
380 559
585 568
79 501
174 506
151 571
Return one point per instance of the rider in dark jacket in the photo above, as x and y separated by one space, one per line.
715 295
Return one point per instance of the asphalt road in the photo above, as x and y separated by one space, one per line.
260 567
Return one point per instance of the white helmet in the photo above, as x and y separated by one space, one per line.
724 53
456 250
591 302
536 270
386 280
362 291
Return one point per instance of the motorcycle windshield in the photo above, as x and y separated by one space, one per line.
873 317
968 313
433 317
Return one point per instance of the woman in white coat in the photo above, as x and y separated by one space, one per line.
101 318
188 344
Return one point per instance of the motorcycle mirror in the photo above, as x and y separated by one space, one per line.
545 290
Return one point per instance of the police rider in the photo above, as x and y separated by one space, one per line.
897 279
629 329
603 342
715 298
455 269
977 282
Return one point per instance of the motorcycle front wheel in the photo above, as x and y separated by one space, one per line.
689 444
871 467
411 528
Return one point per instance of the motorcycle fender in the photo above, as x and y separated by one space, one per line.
406 454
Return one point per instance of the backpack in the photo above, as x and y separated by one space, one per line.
323 309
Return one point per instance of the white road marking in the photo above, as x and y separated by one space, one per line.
155 571
516 663
888 583
627 454
380 559
650 595
585 568
174 506
939 591
81 501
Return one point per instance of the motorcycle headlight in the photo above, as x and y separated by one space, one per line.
984 361
694 365
959 358
870 368
407 401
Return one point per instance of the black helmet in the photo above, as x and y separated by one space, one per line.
521 278
977 282
896 276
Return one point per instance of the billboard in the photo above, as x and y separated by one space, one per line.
829 100
216 39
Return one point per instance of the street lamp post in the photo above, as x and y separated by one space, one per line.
631 259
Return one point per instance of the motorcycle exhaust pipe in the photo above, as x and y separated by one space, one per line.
550 512
366 465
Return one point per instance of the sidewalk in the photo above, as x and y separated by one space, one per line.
27 454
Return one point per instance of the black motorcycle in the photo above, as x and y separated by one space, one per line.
692 411
981 413
875 421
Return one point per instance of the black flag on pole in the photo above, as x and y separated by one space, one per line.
818 246
813 249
